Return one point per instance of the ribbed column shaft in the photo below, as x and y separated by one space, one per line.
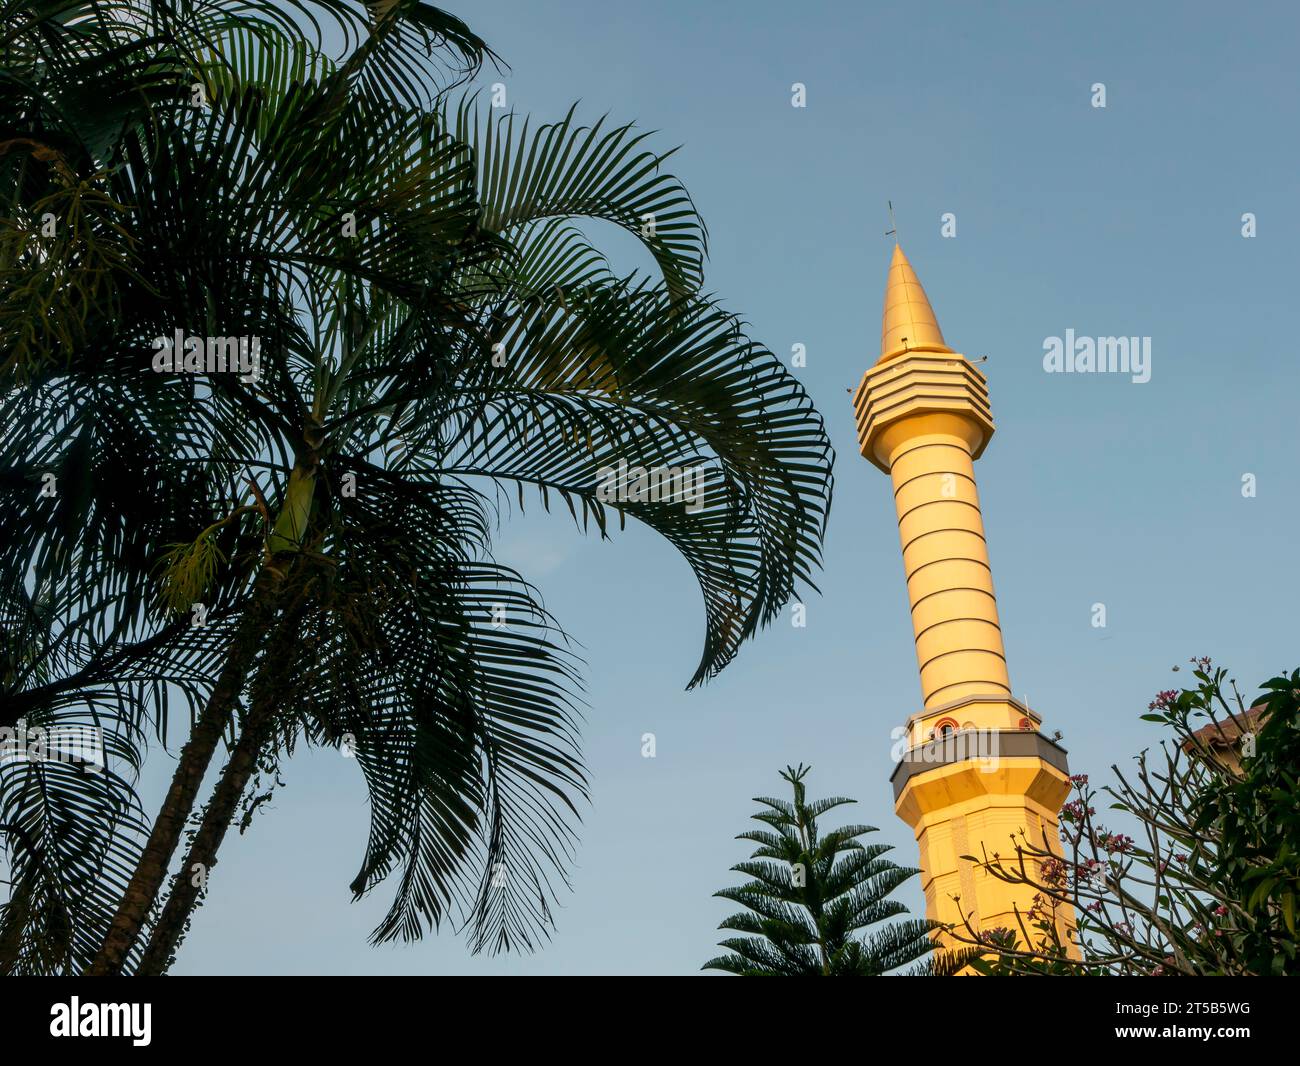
954 612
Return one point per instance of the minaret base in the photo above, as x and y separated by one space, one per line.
970 798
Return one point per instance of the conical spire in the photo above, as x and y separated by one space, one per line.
909 321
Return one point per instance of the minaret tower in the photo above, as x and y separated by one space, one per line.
976 770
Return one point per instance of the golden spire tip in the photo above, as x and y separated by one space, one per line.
909 322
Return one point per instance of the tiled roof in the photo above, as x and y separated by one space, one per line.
1225 732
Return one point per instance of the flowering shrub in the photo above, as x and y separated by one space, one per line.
1209 885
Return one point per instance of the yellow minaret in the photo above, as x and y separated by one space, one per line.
975 770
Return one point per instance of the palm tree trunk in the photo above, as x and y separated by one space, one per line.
257 726
195 758
220 811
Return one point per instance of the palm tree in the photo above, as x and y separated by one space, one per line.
438 339
812 897
104 144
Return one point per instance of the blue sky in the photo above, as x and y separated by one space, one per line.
1117 221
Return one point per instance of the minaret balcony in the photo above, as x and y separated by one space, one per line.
943 774
915 384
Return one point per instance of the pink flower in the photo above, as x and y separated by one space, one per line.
1115 842
1052 871
1074 811
1164 700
